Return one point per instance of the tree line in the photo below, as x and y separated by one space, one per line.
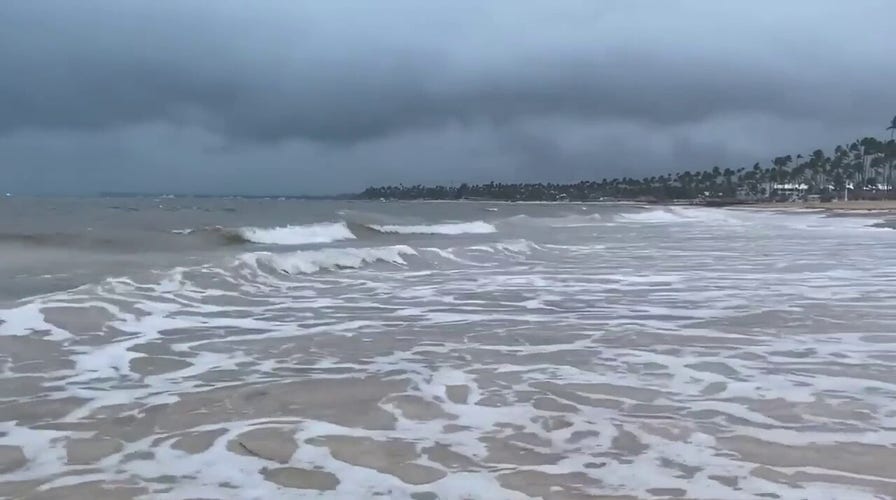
862 169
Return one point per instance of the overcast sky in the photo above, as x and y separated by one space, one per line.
291 97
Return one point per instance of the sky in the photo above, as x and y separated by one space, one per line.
314 97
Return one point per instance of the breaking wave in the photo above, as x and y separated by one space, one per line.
325 232
652 216
510 247
322 232
477 227
329 232
312 261
680 214
566 220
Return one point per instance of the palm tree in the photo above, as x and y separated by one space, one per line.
771 178
713 179
869 149
840 171
796 161
728 174
889 152
858 166
780 162
892 127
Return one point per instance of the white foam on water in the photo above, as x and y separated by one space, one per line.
672 214
517 246
312 261
452 228
448 254
27 319
324 232
566 220
514 248
652 216
575 248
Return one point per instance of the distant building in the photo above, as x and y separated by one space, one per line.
789 188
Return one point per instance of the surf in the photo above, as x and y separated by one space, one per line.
307 234
312 261
448 228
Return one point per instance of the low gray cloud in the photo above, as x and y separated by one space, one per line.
330 96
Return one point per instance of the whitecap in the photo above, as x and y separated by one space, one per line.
451 228
324 232
312 261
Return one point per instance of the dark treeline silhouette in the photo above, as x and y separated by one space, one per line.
860 170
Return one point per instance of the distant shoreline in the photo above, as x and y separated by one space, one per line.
844 206
879 209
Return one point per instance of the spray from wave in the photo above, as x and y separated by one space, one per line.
477 227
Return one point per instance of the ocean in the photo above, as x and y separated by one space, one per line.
261 348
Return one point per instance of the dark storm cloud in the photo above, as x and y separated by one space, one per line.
516 89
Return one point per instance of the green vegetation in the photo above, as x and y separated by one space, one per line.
860 170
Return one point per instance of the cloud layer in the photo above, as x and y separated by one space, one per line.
329 96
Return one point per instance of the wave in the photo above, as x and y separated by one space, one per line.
329 232
325 232
448 254
216 233
451 228
312 261
652 216
679 214
560 220
508 247
517 246
322 232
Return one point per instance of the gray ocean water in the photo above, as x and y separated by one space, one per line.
232 348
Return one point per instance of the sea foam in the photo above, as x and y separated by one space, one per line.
681 214
312 261
324 232
477 227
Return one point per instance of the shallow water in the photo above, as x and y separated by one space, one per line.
444 350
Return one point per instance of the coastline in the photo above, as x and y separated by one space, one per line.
885 210
855 206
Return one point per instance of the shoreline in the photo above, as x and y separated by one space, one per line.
884 210
858 206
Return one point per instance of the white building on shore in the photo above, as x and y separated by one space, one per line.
790 189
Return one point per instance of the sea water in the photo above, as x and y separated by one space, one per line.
232 348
